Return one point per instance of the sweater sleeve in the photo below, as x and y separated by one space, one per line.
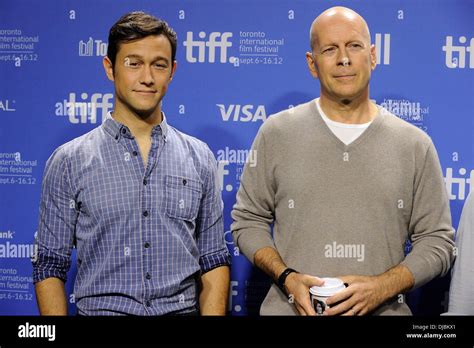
253 211
430 224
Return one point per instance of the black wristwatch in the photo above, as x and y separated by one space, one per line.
281 279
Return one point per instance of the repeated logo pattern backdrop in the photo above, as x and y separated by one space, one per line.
238 62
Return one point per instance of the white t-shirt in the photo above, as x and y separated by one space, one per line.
347 133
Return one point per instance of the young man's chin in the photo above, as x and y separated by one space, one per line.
144 112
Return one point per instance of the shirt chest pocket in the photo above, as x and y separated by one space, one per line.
182 197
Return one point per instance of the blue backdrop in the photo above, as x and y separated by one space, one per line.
238 62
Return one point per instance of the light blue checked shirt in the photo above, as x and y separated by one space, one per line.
143 235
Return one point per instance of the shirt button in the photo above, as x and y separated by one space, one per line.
124 131
135 153
145 182
146 245
185 181
116 137
145 213
148 303
148 276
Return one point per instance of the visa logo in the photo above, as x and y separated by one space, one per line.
242 113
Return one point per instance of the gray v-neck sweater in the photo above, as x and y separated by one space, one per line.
344 209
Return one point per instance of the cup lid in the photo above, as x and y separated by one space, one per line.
329 288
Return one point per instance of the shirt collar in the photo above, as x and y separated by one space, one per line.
118 130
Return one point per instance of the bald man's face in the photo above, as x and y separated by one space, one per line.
342 58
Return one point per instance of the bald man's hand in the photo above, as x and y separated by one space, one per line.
365 293
297 287
362 296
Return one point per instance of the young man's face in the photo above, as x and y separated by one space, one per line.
342 59
143 70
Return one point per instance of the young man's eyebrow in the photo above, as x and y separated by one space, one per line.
155 59
134 56
161 58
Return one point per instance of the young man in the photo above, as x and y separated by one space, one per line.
138 199
345 184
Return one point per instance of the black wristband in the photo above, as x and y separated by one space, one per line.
282 278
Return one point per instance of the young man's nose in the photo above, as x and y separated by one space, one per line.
146 76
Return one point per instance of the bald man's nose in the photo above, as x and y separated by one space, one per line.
343 58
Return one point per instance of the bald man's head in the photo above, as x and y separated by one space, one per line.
341 56
334 16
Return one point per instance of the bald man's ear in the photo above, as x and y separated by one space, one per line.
311 65
373 57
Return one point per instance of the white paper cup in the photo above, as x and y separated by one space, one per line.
319 294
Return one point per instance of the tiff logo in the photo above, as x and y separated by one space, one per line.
85 111
216 41
461 182
222 173
233 291
386 48
460 61
92 48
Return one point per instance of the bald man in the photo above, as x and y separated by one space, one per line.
345 184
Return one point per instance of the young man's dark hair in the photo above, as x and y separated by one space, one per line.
137 25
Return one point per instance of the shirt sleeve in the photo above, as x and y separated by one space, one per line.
210 224
253 211
58 217
461 293
430 224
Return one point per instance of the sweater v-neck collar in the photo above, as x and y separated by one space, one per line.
376 122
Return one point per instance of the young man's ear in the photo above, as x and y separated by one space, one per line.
173 69
108 67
